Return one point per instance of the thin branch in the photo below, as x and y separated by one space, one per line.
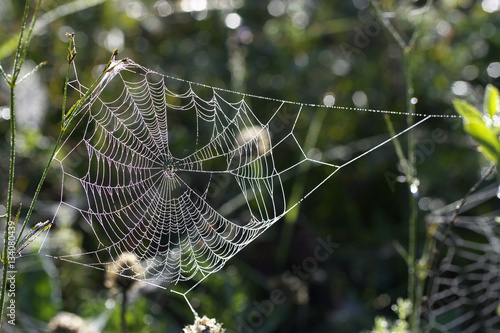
65 121
388 25
416 33
397 146
16 68
71 57
4 74
30 34
37 67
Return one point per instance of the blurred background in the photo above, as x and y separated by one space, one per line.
310 51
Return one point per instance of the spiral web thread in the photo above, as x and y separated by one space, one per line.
184 175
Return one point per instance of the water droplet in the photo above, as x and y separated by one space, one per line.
414 186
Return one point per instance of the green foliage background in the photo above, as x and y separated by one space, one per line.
312 48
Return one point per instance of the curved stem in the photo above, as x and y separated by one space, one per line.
54 151
66 119
39 187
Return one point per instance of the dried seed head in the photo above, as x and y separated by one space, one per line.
65 322
257 141
204 325
124 272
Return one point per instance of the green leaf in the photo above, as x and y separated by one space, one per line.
475 126
491 99
488 141
468 112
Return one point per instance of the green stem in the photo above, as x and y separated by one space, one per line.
65 121
124 310
4 75
39 187
65 93
4 276
414 318
397 145
411 180
387 24
409 166
30 34
10 186
18 61
416 33
17 58
12 158
54 151
9 197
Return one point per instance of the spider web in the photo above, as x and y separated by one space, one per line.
465 292
185 175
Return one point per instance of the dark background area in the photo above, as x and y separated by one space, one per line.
297 50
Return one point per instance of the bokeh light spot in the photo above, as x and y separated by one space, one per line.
276 8
233 21
490 6
359 99
329 99
164 8
493 70
460 88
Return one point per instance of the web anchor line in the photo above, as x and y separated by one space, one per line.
183 175
313 105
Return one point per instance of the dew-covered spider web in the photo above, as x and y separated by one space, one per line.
185 175
465 291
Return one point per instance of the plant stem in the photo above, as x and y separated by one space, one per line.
124 311
413 193
30 34
9 197
387 24
39 187
409 166
65 121
54 151
17 58
397 146
12 81
12 158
